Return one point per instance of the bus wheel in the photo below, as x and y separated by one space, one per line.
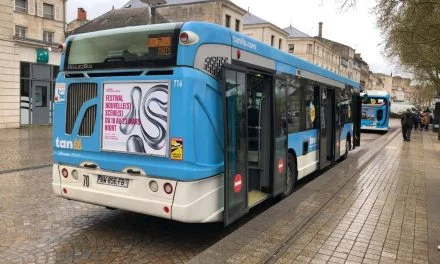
292 174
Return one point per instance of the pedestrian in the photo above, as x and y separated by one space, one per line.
416 120
407 124
425 121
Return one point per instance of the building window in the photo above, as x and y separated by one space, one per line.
21 6
309 48
272 40
48 36
20 31
280 43
237 25
48 11
228 21
291 48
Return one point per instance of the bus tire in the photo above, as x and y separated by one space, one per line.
292 175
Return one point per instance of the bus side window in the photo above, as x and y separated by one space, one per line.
293 105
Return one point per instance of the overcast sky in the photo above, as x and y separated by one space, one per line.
355 27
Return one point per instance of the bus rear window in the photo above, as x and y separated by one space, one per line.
132 47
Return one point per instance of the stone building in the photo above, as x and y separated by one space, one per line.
221 12
346 66
264 31
30 31
386 80
312 49
401 90
364 70
375 82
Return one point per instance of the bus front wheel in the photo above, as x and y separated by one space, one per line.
291 176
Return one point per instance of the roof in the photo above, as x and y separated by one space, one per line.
117 18
295 33
250 19
139 3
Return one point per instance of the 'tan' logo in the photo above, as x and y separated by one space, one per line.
68 144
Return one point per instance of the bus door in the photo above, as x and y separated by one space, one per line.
327 127
236 143
279 125
339 124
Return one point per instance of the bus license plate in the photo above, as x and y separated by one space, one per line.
113 181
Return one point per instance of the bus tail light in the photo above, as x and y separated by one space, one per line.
188 38
65 173
168 188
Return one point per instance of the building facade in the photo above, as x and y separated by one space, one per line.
312 50
30 32
364 70
221 12
266 32
402 91
387 81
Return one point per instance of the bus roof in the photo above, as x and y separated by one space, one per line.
243 42
209 33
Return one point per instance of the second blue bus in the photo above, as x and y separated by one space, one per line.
375 110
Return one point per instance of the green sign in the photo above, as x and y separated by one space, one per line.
42 55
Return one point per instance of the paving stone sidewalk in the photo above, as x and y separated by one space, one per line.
25 148
371 208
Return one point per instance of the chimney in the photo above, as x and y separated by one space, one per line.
320 30
82 14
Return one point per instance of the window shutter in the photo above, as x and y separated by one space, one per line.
58 14
31 7
39 8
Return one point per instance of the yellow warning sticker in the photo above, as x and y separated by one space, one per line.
177 148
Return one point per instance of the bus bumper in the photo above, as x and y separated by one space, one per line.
192 202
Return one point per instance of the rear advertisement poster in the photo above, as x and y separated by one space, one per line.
135 118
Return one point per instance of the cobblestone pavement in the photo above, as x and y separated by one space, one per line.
38 227
25 148
376 213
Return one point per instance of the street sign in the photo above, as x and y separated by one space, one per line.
42 55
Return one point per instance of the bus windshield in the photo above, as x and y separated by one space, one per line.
145 46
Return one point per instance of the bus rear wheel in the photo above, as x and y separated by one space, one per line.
291 176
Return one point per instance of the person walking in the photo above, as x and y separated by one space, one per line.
416 120
407 124
425 119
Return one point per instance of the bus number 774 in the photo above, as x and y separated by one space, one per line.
178 83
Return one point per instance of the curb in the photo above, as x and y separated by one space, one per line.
26 168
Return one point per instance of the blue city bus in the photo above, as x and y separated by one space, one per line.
191 121
375 110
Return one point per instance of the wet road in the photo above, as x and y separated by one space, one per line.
38 227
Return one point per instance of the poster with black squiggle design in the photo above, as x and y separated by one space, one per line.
135 118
